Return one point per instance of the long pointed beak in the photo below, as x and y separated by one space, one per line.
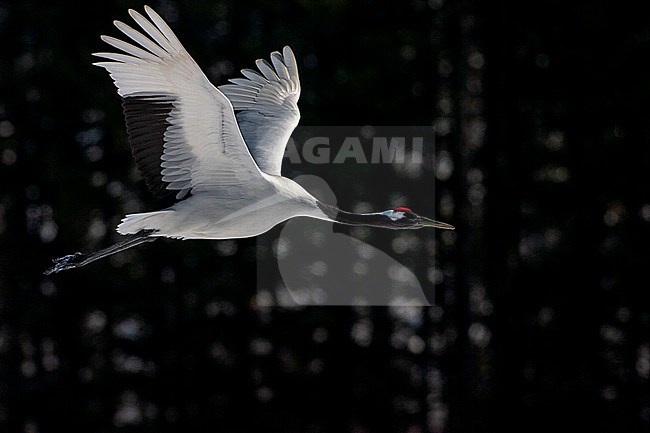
436 224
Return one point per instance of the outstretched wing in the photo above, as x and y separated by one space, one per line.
182 130
267 106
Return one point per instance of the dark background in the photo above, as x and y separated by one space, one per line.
541 319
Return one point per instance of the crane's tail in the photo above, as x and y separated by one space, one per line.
78 260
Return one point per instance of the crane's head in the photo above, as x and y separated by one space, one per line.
404 218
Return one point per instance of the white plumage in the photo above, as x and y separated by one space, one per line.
217 171
204 151
269 107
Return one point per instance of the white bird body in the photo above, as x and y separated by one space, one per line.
197 217
213 154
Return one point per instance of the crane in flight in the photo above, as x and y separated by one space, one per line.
213 155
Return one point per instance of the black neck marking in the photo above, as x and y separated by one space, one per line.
356 219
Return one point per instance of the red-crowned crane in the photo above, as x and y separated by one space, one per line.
214 153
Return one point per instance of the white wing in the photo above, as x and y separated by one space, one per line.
267 107
182 130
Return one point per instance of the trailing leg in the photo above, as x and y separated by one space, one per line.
78 260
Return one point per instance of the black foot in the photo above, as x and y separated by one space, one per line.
66 262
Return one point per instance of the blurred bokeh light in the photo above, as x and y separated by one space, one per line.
541 317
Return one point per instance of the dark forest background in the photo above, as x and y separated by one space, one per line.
542 318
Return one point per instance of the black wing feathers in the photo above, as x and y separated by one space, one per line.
146 123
